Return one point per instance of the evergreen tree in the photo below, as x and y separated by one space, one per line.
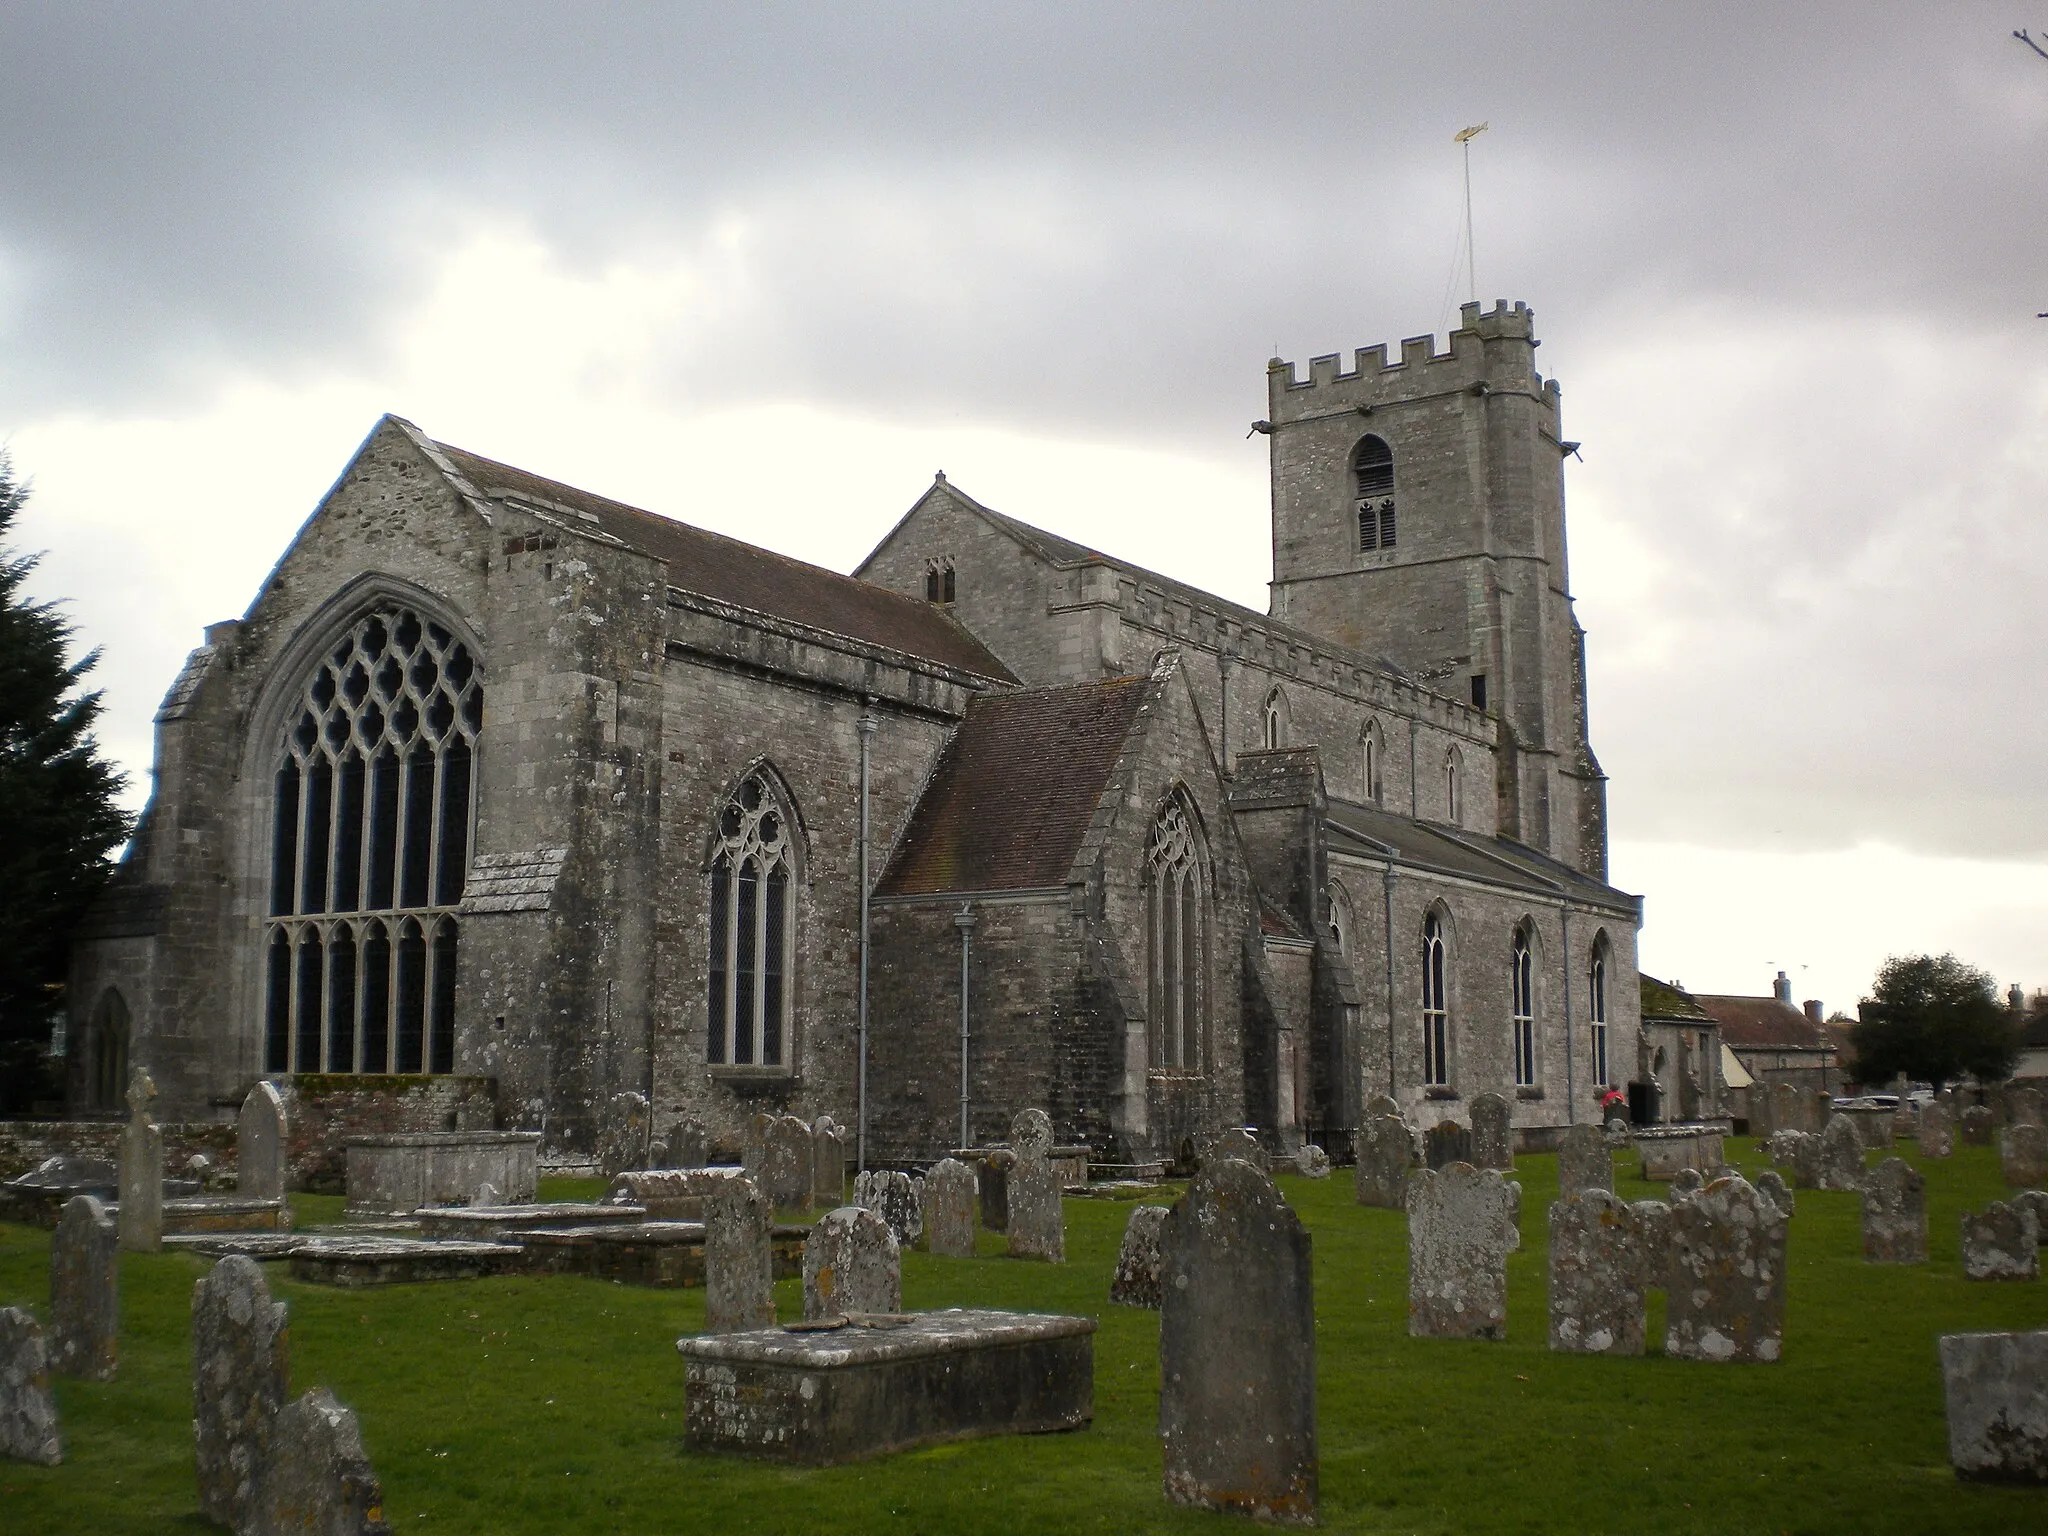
1934 1018
58 816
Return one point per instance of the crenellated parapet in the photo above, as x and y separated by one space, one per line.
1492 350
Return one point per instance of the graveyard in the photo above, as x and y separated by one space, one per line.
555 1402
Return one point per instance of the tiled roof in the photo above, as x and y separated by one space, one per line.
1014 791
1374 832
1763 1024
1662 1000
748 576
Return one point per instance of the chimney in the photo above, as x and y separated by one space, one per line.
1812 1007
1781 989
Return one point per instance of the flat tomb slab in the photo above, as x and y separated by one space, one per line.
357 1262
225 1215
668 1254
260 1246
887 1384
490 1223
398 1172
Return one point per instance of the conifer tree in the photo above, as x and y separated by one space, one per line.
59 819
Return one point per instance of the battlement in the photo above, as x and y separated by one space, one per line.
1470 356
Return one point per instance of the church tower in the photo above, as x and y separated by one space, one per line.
1418 514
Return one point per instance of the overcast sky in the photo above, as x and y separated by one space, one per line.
765 268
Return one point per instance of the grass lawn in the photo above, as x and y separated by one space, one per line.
555 1405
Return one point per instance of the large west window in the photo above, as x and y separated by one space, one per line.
1176 909
370 840
752 934
1596 1003
1522 1016
1436 1010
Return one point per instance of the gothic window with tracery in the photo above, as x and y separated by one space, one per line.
752 934
1436 1010
1177 938
1596 1005
939 584
1372 470
1276 720
1522 989
370 841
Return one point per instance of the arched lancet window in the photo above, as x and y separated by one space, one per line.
1177 946
1373 751
106 1060
1436 1008
1454 789
1596 1007
939 584
753 930
371 814
1372 469
1343 932
1276 720
1522 1005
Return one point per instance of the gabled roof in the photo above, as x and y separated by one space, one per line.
1375 832
747 576
1763 1024
1014 791
1661 1000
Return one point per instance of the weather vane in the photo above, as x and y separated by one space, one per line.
1463 138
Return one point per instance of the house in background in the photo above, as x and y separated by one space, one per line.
1774 1040
1684 1061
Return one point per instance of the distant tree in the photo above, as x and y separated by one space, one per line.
1933 1018
58 816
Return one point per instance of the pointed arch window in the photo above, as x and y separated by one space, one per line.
1454 789
1343 933
1436 1011
939 582
1596 1007
371 811
1372 472
1177 939
1373 751
1275 734
752 932
106 1052
1522 1006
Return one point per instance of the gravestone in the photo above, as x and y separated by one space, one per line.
85 1291
1759 1117
486 1195
787 1165
2034 1200
28 1405
754 1146
239 1383
1771 1184
1237 1363
1236 1141
318 1481
1937 1131
1493 1144
1461 1229
1136 1281
1604 1255
1445 1143
1037 1226
851 1264
1788 1108
1381 1104
1617 1133
1782 1147
1385 1153
2001 1242
895 1198
1583 1161
739 1258
1725 1289
1894 1214
1996 1385
622 1135
2026 1106
142 1171
2023 1156
1312 1162
1841 1156
688 1144
1687 1181
828 1164
950 1219
1976 1124
1806 1160
262 1144
992 1173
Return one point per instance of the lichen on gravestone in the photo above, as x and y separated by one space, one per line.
28 1404
239 1383
85 1291
851 1265
950 1215
1135 1282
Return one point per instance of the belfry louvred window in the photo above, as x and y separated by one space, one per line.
752 932
1372 470
370 838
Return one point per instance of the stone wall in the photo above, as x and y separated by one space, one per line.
325 1109
24 1144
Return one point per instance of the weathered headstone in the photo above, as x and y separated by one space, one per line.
688 1144
1788 1108
1445 1143
1894 1214
1604 1254
828 1164
486 1195
2034 1200
1687 1181
1493 1143
239 1383
1782 1148
1382 1104
1997 1390
851 1264
950 1219
622 1135
1806 1160
1725 1290
28 1404
2001 1242
895 1198
1312 1162
787 1163
1237 1364
2026 1106
1234 1141
1461 1229
262 1144
1771 1184
1937 1131
1385 1153
199 1169
1976 1124
142 1171
1583 1161
754 1146
1038 1224
1617 1133
318 1480
1136 1281
85 1291
1841 1155
2023 1156
739 1258
993 1174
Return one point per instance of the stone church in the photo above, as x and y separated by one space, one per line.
504 783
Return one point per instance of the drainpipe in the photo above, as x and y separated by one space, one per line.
1571 1097
964 921
866 724
1392 1093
